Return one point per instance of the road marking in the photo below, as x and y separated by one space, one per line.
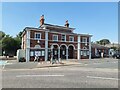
54 67
39 75
102 78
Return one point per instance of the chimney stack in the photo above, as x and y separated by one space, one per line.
67 24
42 20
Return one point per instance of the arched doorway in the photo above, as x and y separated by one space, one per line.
55 51
63 52
70 52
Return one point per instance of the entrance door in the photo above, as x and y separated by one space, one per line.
70 52
55 52
63 52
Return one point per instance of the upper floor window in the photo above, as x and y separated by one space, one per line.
37 35
63 38
55 37
71 39
84 39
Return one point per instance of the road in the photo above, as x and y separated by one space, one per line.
89 75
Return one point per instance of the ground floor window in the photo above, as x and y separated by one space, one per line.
84 52
39 52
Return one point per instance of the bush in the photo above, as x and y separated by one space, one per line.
22 59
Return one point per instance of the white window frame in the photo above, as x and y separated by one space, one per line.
53 38
85 53
72 38
81 52
35 36
64 38
84 38
88 52
31 53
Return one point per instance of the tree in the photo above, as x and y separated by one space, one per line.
103 42
2 34
19 35
18 40
8 45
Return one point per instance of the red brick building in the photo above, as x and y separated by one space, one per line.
55 42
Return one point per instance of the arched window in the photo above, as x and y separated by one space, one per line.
37 46
84 47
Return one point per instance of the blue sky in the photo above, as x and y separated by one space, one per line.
99 19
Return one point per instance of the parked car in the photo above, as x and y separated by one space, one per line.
116 55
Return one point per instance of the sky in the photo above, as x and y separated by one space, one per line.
99 19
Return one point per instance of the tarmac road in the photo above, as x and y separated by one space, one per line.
73 76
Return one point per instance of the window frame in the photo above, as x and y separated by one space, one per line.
35 36
72 38
84 38
64 38
53 37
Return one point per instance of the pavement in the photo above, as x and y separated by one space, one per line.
13 64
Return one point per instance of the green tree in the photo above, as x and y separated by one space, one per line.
18 40
2 35
103 42
8 45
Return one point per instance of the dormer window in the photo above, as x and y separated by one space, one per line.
55 37
38 36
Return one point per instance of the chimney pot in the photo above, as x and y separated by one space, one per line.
66 23
42 20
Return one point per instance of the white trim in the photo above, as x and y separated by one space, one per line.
71 45
84 48
72 38
22 45
53 41
38 46
62 38
28 39
78 48
53 37
27 55
58 51
54 32
84 38
46 45
66 50
90 48
64 45
35 36
55 44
